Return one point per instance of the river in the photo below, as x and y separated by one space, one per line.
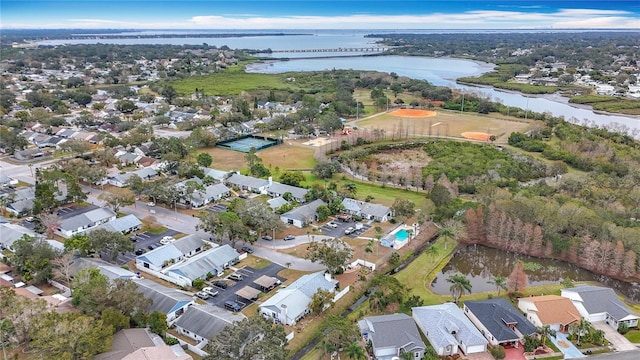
481 264
438 71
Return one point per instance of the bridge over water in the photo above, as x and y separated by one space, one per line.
341 49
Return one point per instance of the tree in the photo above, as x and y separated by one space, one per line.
116 320
323 212
545 332
33 259
440 195
118 197
332 253
71 336
580 329
459 285
326 170
517 280
321 300
251 338
257 214
225 224
403 208
136 184
111 242
394 259
338 332
355 351
293 178
500 282
204 159
451 229
79 242
126 106
158 323
22 314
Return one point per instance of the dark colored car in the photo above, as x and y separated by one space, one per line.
247 249
220 284
289 237
267 237
139 251
151 247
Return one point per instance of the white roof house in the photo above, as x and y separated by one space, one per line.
448 329
291 304
163 256
302 215
391 335
166 300
125 224
248 183
83 222
367 210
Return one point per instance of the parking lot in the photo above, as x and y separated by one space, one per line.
249 275
143 241
217 207
70 211
342 226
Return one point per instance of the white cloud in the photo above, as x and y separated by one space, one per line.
479 19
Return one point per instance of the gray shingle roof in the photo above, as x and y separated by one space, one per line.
189 243
494 314
395 330
440 320
247 181
212 261
164 299
85 219
304 212
9 233
207 320
280 189
598 299
125 223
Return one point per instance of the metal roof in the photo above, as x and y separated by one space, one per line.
248 293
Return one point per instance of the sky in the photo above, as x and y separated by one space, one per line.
314 14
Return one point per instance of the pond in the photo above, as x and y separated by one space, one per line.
481 264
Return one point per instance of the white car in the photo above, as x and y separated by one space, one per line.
209 290
332 225
151 204
166 240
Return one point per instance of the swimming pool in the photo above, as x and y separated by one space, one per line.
402 235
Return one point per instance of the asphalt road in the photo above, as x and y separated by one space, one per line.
623 355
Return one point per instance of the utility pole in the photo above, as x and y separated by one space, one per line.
357 110
462 107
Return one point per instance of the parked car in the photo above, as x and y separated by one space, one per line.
221 284
247 249
349 230
202 295
332 225
289 237
166 240
232 306
139 252
133 238
267 237
235 277
209 290
151 204
151 247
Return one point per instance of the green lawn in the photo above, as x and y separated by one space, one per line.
232 81
633 336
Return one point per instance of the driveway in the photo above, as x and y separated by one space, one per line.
567 348
618 342
479 356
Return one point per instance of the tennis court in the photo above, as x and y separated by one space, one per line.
244 144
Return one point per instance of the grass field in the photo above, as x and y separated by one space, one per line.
290 155
232 81
444 123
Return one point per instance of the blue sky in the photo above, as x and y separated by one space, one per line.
313 14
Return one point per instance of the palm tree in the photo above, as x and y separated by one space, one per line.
355 351
451 229
545 332
460 285
581 328
500 282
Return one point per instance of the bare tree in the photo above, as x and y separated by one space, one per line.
62 267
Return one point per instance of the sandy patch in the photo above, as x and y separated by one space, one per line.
476 135
413 113
318 142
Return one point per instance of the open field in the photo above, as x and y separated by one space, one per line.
290 155
444 123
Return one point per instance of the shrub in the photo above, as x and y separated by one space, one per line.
198 284
497 352
623 328
171 341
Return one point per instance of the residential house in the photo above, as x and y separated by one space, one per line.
596 303
392 335
83 222
291 304
202 322
109 270
198 198
125 224
20 201
138 344
448 329
556 311
163 256
276 189
277 203
247 183
302 215
367 210
217 175
499 321
9 233
30 154
129 159
213 261
169 301
120 180
7 181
